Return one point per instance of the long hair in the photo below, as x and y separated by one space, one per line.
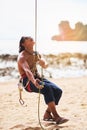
22 40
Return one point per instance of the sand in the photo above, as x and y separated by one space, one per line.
73 105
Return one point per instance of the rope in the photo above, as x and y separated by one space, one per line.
20 95
35 25
41 68
20 88
39 112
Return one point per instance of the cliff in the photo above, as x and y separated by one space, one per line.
79 33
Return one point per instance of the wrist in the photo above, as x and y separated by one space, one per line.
34 82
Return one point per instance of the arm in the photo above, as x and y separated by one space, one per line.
42 63
24 65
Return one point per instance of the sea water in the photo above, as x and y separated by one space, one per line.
45 47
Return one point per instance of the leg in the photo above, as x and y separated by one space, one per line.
52 108
51 112
48 116
58 119
57 91
52 96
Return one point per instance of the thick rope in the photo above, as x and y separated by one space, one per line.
41 68
39 112
35 25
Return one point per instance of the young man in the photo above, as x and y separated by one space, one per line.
31 79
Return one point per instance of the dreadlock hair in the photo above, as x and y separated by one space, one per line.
22 40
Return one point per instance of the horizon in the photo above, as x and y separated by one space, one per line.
50 47
18 19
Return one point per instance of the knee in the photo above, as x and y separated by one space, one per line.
60 92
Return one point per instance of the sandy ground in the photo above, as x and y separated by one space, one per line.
73 105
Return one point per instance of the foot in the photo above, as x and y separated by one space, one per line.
61 120
48 116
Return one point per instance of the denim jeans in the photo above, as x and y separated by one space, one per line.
50 91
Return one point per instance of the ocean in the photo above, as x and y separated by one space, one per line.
45 47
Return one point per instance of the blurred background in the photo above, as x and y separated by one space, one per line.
61 35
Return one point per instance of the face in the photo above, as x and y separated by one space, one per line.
29 43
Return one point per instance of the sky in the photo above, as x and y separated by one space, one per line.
17 17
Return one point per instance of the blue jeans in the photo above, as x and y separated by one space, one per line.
51 92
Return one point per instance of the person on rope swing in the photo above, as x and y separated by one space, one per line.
31 79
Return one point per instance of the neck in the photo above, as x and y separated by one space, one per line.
31 52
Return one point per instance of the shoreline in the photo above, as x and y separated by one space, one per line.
61 65
73 105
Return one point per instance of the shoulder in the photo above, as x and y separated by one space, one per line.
20 57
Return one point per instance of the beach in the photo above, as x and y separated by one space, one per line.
73 105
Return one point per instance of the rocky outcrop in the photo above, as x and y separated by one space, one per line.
8 57
79 33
